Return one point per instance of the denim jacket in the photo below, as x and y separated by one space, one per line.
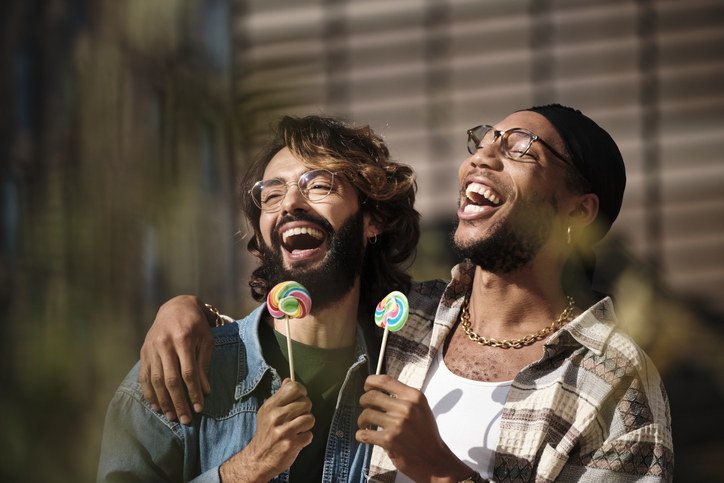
140 444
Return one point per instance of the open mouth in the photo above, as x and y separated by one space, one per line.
302 238
480 196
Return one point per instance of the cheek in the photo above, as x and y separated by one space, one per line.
266 225
529 184
464 168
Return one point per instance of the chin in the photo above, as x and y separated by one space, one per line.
466 236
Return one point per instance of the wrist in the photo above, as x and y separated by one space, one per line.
234 470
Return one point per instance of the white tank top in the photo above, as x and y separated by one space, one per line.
467 414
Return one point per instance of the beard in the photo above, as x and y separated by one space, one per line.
512 242
331 280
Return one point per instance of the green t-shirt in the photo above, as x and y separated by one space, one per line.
322 372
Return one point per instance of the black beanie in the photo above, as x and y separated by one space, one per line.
595 154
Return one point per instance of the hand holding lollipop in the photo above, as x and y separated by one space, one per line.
391 314
285 300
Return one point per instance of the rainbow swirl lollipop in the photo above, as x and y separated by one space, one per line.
391 313
285 300
289 299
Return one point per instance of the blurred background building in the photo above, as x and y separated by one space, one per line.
124 126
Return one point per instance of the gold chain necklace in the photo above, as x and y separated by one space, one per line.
562 319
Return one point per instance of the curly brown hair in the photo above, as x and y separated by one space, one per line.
386 191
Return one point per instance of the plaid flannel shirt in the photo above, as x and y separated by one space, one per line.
593 408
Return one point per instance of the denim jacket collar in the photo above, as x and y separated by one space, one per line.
256 367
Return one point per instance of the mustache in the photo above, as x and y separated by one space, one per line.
323 223
490 178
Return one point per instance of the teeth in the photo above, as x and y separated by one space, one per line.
472 209
481 190
304 230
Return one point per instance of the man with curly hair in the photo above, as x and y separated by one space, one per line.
316 200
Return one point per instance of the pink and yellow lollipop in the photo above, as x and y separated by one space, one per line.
289 299
391 314
285 300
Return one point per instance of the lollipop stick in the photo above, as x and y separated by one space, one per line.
289 350
382 350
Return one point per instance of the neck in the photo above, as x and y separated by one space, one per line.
331 327
524 299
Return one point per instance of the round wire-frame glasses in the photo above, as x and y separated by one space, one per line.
314 185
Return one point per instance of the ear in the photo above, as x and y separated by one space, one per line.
371 226
585 209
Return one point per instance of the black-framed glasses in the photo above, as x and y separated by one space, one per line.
514 143
314 185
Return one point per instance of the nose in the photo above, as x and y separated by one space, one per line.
293 200
486 156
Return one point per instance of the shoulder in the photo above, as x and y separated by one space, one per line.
424 297
629 368
129 407
243 332
411 342
618 363
598 331
139 441
131 387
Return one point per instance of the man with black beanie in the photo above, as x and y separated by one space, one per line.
514 370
